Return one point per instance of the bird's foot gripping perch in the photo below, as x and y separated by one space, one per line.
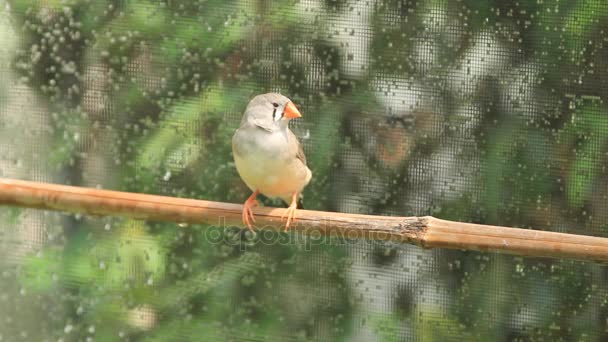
247 214
290 212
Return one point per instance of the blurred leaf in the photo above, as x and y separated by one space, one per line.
175 146
588 131
433 325
42 272
219 277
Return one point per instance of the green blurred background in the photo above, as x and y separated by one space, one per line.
477 111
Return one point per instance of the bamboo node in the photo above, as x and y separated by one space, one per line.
412 229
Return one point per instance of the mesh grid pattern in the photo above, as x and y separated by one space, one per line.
476 111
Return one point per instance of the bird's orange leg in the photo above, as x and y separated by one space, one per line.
247 214
290 212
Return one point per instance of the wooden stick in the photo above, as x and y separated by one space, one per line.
427 232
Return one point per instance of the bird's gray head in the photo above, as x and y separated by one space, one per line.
270 111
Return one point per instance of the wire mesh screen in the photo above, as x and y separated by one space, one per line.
475 111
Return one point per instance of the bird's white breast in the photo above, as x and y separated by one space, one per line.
264 162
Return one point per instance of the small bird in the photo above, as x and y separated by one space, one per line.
268 156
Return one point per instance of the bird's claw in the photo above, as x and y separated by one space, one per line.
290 213
247 214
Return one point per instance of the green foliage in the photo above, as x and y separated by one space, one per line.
486 111
586 136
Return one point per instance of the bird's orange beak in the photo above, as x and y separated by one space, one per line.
291 112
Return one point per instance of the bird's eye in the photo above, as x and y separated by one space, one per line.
275 105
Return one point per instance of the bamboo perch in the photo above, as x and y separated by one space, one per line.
427 232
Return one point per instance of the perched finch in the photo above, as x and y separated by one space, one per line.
268 156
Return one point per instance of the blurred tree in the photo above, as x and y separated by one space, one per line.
484 111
